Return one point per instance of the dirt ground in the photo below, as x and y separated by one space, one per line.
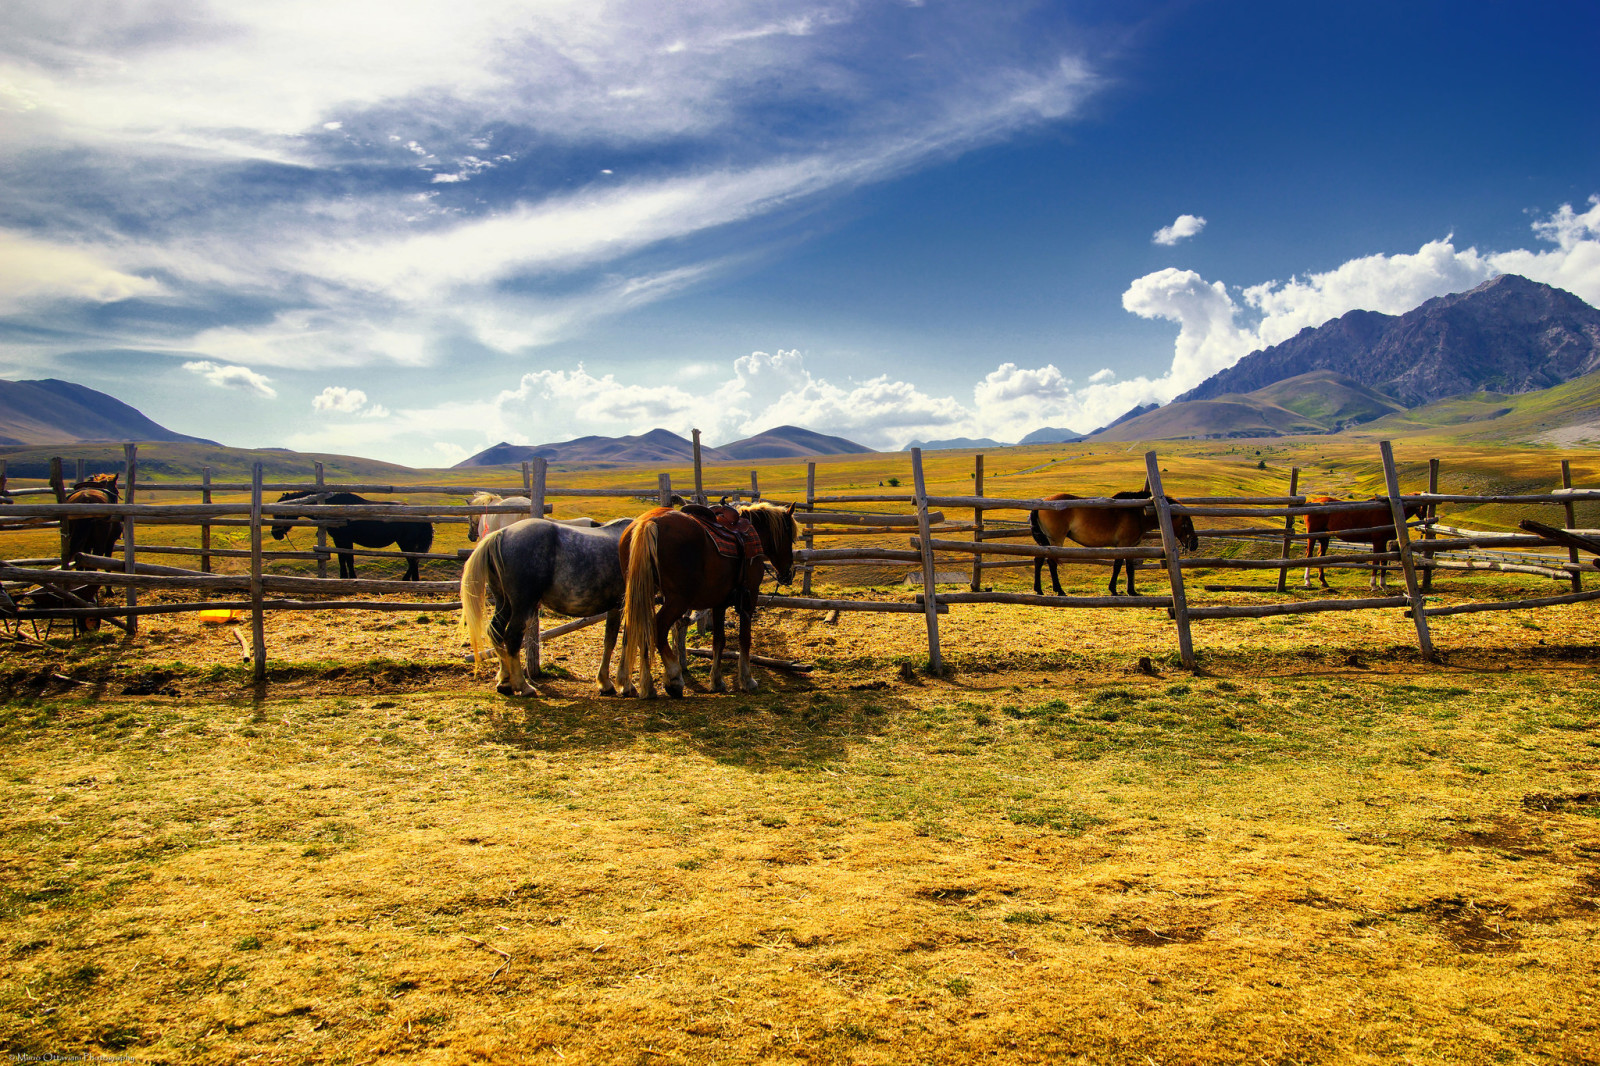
1317 848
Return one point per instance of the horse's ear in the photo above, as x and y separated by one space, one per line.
789 510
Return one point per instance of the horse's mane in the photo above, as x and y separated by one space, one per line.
777 520
484 498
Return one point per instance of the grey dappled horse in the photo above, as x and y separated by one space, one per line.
569 569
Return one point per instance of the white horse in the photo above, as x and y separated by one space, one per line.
479 525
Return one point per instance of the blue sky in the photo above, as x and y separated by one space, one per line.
410 230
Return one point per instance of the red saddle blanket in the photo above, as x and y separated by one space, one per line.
731 533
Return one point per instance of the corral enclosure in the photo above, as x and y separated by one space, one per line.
1315 848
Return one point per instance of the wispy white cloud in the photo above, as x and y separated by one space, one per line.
34 273
233 377
434 96
1184 227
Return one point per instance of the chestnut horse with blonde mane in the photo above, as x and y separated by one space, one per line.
670 553
1368 525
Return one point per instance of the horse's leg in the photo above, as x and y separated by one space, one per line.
1116 568
1380 568
719 640
666 629
680 635
746 681
347 562
531 644
1038 573
1055 579
613 624
505 636
1130 564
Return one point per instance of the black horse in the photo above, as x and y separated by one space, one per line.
409 534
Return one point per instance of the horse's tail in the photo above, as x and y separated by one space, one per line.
482 565
1038 531
639 603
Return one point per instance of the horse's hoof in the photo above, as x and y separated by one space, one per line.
720 686
675 691
607 690
630 693
506 690
751 686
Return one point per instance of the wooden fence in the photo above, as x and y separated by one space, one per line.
922 518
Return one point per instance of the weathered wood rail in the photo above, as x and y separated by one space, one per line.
1419 547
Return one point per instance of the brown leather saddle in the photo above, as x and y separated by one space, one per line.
731 533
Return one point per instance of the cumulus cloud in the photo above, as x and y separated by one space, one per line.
340 400
1184 227
233 377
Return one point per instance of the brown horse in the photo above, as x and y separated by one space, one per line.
670 553
1376 524
1100 527
94 536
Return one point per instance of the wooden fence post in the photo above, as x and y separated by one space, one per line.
322 534
1288 530
977 523
930 598
205 526
541 474
1402 535
1572 521
755 487
83 472
1169 543
699 483
1430 514
664 489
130 463
258 627
810 537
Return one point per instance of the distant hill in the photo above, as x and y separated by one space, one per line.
1052 436
1318 402
182 460
658 445
1566 416
1508 335
60 412
962 443
789 442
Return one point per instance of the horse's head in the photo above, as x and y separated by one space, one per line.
475 522
778 531
280 528
1183 529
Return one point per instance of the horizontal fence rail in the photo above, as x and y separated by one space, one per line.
929 547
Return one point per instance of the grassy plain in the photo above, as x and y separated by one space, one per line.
1317 849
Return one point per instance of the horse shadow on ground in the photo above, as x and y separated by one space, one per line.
789 722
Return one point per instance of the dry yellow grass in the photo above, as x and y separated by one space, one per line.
1047 856
1318 849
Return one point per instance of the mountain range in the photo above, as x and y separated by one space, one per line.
1509 336
1512 356
660 445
